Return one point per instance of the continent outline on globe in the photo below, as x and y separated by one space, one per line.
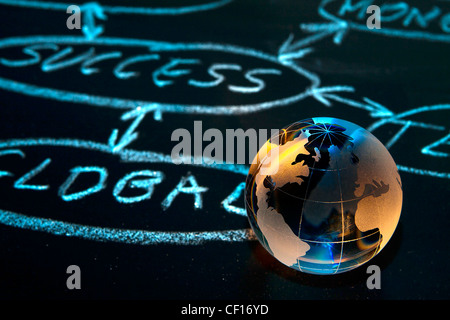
329 198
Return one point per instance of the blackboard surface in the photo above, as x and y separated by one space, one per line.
68 143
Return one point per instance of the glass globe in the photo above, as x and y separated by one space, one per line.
323 196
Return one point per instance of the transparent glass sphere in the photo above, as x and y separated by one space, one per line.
323 196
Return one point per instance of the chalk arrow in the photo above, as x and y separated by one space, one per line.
116 144
90 11
322 93
376 110
129 136
291 49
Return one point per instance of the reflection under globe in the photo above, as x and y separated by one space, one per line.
323 196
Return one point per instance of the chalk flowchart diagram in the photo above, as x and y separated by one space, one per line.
97 49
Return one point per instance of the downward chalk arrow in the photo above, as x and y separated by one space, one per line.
90 11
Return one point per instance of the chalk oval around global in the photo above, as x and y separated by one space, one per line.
50 217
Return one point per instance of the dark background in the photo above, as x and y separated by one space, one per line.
401 74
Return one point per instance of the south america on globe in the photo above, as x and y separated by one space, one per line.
323 196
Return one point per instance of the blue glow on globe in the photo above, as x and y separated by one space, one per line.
323 196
